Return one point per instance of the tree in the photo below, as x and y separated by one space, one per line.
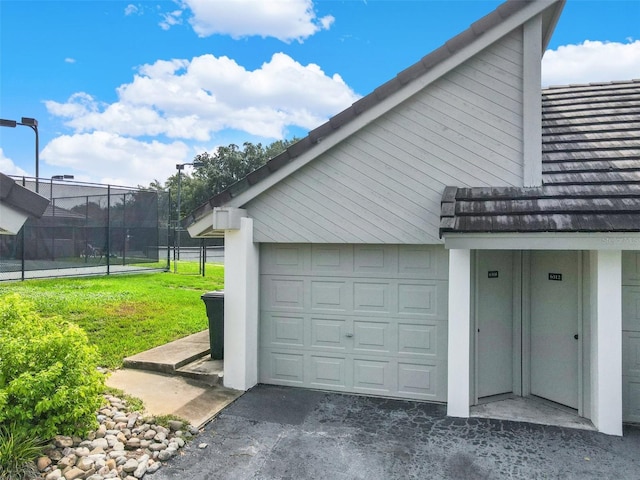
221 169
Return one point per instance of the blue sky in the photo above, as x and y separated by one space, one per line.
124 90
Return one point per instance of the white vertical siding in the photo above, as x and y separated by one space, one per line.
384 184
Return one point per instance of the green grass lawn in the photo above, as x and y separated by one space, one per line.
127 314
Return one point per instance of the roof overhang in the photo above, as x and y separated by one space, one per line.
18 203
219 221
11 219
544 241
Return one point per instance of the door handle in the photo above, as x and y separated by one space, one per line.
576 336
349 335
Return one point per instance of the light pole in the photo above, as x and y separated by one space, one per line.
32 123
180 167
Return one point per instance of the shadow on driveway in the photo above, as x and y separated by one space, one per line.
289 433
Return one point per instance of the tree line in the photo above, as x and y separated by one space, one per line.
219 170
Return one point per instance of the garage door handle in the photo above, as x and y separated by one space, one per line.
575 336
349 335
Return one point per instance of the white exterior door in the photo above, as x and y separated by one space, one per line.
555 298
631 337
368 319
494 322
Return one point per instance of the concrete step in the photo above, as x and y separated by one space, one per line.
172 356
203 369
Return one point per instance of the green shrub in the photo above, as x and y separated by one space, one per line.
49 383
18 452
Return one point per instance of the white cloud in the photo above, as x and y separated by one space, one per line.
170 19
192 100
172 105
70 60
8 167
285 20
591 61
115 159
131 9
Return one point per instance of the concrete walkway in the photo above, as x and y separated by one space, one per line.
178 378
288 433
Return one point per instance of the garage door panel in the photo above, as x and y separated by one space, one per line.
631 357
373 297
328 371
286 367
281 330
631 308
422 340
330 295
418 379
331 259
359 319
630 268
422 381
285 259
422 262
631 399
328 333
282 293
376 261
372 376
428 299
373 337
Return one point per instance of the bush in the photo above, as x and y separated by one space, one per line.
18 452
49 382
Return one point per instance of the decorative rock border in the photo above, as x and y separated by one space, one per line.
127 445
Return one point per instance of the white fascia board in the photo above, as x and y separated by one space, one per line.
11 220
551 26
544 241
485 40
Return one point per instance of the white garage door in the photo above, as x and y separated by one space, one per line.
631 336
355 318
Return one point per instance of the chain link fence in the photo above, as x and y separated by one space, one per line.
89 229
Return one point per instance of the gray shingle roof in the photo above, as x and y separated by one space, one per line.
21 198
590 170
427 63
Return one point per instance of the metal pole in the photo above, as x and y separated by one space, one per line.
86 228
108 229
33 124
53 230
24 243
22 257
124 228
35 129
178 216
204 256
169 233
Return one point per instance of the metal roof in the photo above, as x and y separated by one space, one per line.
590 170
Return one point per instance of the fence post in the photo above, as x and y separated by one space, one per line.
124 229
22 259
108 229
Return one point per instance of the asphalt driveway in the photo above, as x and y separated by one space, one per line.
287 433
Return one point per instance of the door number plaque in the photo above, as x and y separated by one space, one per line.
492 274
555 276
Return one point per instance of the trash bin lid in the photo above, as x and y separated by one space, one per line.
214 294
